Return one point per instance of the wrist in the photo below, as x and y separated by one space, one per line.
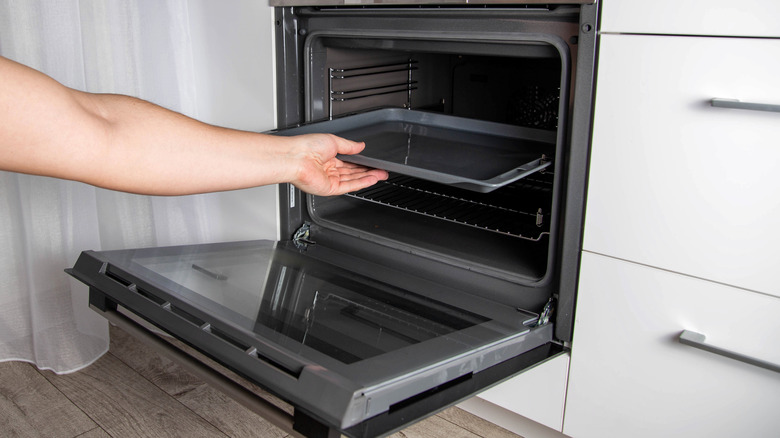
292 154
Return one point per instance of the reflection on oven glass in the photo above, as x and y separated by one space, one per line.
333 311
350 320
227 281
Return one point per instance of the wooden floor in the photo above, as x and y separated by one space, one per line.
133 392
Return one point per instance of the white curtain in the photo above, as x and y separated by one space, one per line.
187 56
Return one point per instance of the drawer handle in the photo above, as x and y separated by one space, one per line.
736 104
697 340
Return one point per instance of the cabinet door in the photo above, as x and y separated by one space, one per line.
711 17
679 184
630 376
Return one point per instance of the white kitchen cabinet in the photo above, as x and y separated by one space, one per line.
679 184
690 17
546 384
681 226
631 377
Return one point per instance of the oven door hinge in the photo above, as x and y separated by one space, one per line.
547 312
302 237
543 160
539 217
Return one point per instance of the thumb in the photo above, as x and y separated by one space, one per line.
348 147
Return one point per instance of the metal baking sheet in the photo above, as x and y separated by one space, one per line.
466 153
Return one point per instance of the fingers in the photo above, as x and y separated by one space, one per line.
348 147
333 176
349 171
352 177
358 183
356 171
377 175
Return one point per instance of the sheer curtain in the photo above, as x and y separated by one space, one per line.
209 60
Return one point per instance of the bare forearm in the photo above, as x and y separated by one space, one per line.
123 143
155 151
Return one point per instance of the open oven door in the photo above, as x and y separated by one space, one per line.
360 351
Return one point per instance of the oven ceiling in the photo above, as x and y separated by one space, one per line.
421 2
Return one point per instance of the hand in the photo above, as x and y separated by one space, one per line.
321 173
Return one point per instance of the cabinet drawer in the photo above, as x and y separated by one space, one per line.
712 17
630 376
675 182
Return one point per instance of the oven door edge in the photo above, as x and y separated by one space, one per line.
299 423
452 393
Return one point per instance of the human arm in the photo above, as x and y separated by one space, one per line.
123 143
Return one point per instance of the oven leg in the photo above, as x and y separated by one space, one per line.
309 427
99 300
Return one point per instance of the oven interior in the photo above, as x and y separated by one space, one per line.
517 72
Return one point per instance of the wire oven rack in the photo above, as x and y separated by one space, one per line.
496 212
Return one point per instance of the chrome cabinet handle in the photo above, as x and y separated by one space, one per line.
736 104
697 340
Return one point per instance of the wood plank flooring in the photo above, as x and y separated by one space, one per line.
134 392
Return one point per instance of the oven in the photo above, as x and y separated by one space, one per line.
383 306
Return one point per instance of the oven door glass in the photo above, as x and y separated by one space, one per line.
335 343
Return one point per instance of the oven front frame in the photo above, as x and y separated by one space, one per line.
291 104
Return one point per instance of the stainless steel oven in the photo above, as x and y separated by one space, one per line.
383 306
